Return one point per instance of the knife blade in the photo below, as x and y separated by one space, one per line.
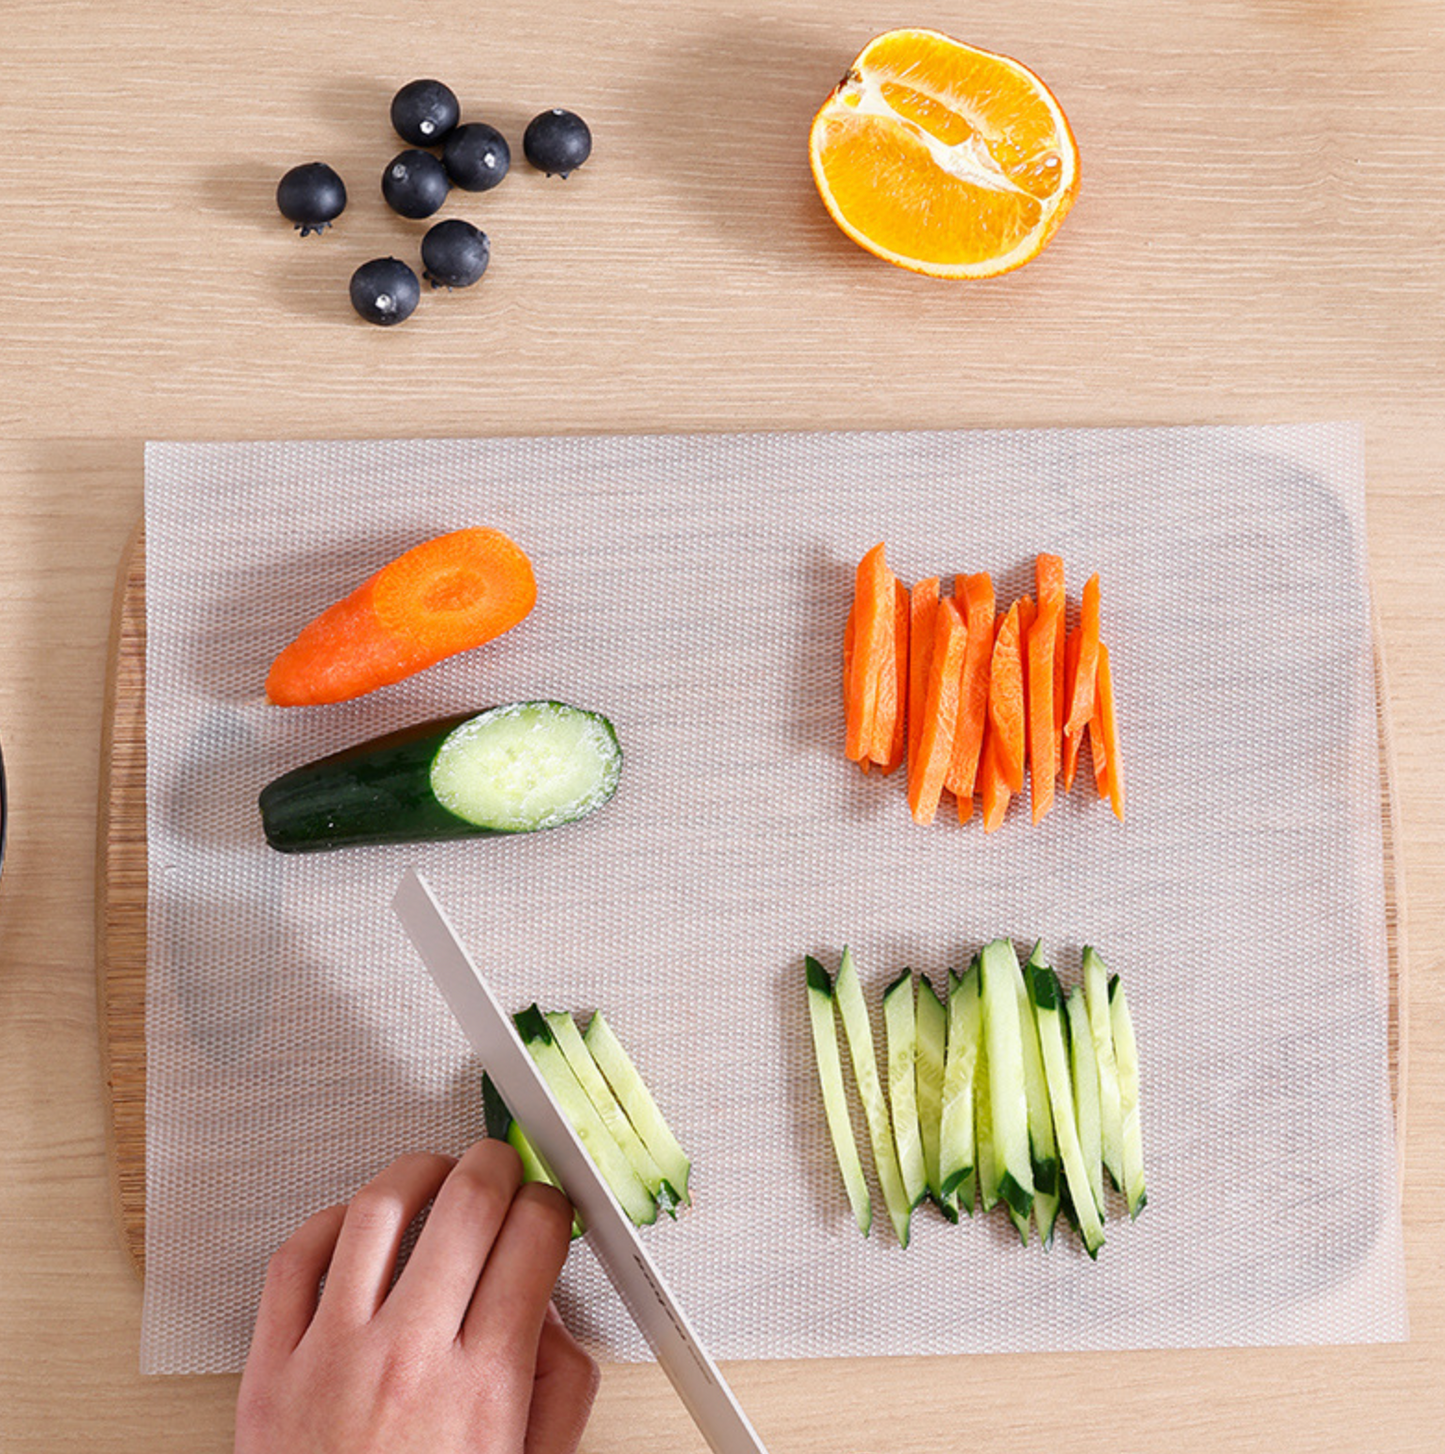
699 1383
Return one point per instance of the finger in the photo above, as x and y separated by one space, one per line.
563 1391
436 1286
511 1298
364 1262
293 1284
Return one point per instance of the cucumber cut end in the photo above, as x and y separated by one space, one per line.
526 766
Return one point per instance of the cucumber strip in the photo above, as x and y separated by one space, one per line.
900 1024
1046 998
516 768
639 1158
1043 1149
1008 1097
636 1100
1021 1223
956 1137
1085 1068
634 1198
985 1157
1126 1053
1111 1117
835 1100
932 1021
848 993
502 1126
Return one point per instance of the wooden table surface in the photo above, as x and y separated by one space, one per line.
1257 239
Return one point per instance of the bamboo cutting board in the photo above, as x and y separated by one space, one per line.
121 899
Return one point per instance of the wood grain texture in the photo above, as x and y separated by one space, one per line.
1257 239
121 886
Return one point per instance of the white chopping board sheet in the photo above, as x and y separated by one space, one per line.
694 589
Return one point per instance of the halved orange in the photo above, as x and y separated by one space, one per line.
942 158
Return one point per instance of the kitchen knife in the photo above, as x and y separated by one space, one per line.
662 1322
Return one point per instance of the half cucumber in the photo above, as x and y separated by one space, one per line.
516 768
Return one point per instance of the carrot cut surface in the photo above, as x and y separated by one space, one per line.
1070 746
940 711
444 596
902 634
1081 704
873 631
1006 701
922 610
1043 742
1109 727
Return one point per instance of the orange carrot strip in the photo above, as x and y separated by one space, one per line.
850 697
1081 705
1072 744
1098 751
1028 614
1110 724
873 601
972 692
1043 744
940 711
1006 701
444 596
922 611
1049 580
887 704
902 635
995 789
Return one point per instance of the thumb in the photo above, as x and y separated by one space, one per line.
563 1389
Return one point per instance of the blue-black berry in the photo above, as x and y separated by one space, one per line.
312 196
454 254
414 183
385 291
557 142
476 156
423 112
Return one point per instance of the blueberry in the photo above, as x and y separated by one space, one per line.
414 183
454 254
423 112
385 291
557 142
312 196
477 156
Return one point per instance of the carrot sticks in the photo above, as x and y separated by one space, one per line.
975 699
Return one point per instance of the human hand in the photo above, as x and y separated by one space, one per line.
465 1354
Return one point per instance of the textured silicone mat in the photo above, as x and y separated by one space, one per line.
694 588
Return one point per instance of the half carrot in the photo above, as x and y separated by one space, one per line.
922 611
1081 703
897 694
940 711
1006 701
1109 730
978 616
1043 743
444 596
873 601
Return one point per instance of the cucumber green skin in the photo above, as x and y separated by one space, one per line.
377 792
